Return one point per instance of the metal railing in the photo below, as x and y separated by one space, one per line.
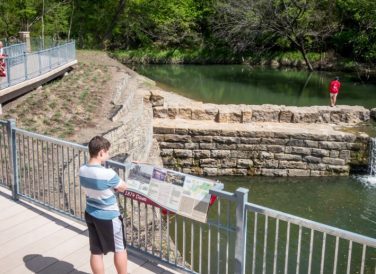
26 66
239 237
15 50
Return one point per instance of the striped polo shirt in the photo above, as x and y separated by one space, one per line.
99 184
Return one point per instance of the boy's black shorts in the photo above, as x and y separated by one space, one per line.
105 235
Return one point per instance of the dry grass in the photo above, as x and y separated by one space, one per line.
64 106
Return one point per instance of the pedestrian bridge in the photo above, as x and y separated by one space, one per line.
41 173
26 71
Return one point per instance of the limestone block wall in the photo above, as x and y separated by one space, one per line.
263 113
268 153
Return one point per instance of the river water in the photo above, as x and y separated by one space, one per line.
348 203
240 84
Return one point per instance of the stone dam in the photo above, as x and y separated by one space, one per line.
156 126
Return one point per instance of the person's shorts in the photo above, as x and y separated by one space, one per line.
105 235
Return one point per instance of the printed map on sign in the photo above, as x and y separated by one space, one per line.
180 193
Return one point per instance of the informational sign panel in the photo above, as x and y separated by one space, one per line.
180 193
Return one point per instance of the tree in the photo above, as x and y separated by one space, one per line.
252 24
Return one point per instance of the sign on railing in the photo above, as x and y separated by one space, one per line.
177 192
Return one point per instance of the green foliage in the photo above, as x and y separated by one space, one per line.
186 30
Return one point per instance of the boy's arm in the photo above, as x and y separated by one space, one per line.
121 187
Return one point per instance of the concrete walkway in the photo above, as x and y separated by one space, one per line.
34 240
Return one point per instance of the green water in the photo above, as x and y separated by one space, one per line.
240 84
344 202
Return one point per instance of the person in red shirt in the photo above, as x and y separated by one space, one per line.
334 90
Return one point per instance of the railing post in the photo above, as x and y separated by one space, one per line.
11 124
25 64
7 63
241 195
40 63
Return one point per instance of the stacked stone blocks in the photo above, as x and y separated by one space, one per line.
220 152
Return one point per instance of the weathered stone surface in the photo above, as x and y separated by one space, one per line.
275 148
300 150
288 157
226 140
339 169
244 154
182 131
296 143
169 161
320 152
247 116
191 146
266 155
251 147
333 161
166 152
210 171
201 154
204 132
187 162
208 162
273 172
273 141
299 172
226 171
159 137
205 114
312 159
316 166
185 113
244 140
220 153
183 153
244 163
177 138
170 145
334 154
225 146
202 139
286 116
266 163
240 172
332 145
172 112
227 163
306 115
163 130
156 99
207 145
292 164
229 116
345 154
160 112
313 144
265 114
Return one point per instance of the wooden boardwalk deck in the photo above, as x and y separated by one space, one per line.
35 240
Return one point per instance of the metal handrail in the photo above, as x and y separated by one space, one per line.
24 66
334 231
44 170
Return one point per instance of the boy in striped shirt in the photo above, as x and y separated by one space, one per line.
102 215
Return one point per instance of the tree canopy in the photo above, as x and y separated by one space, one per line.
347 27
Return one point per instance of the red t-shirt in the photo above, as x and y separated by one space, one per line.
334 86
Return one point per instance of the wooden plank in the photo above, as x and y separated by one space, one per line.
18 257
40 262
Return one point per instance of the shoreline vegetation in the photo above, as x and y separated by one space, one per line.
326 61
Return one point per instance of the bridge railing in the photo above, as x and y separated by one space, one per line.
15 50
238 237
26 66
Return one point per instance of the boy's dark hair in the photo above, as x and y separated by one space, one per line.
98 143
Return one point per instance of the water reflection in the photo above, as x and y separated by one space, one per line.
239 84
